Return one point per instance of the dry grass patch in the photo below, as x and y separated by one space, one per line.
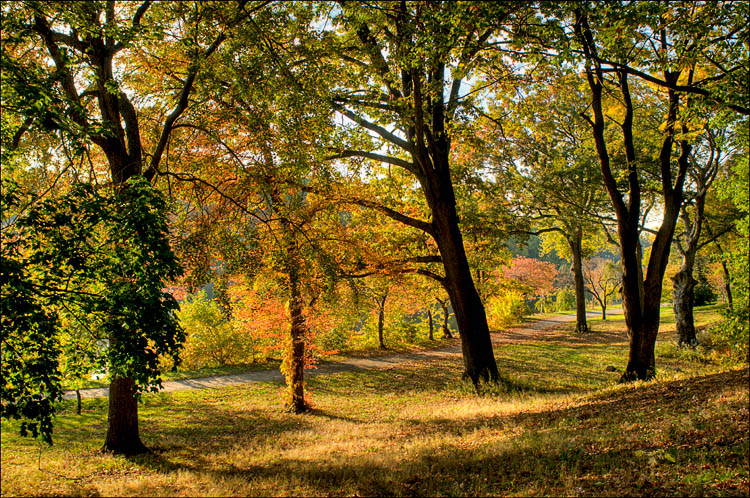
565 429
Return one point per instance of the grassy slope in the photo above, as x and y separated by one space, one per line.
561 426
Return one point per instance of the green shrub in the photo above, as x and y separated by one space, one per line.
406 328
212 340
336 339
565 300
505 309
703 293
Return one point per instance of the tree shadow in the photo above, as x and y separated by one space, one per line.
548 454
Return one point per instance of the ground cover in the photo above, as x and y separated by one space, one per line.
560 425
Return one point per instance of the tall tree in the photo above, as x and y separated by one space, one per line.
90 98
402 90
666 46
708 155
550 157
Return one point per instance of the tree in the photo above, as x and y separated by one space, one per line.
551 159
89 97
403 67
705 162
538 277
102 258
671 48
603 280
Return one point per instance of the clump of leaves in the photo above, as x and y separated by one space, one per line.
102 258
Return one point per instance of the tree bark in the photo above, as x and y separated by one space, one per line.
296 372
432 325
381 319
122 434
476 343
683 286
576 250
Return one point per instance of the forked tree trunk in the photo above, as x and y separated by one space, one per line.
576 249
122 434
640 297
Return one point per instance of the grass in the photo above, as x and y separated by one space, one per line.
559 425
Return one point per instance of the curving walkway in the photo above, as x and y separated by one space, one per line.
527 331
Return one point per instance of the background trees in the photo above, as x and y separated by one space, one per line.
680 65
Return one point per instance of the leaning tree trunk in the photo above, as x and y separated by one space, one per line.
727 286
122 433
576 250
476 343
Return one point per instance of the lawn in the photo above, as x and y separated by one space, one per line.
559 425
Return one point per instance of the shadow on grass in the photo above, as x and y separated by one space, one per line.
574 450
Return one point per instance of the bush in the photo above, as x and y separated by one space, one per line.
212 340
565 300
406 328
505 309
335 339
703 293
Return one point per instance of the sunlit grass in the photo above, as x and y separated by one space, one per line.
557 425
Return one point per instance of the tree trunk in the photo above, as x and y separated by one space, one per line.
641 359
296 354
381 320
604 312
683 286
122 434
78 402
727 287
476 343
432 324
576 250
446 331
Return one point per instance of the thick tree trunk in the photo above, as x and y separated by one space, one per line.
122 435
476 343
576 250
683 298
641 359
432 325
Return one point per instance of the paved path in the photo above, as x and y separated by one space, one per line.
347 364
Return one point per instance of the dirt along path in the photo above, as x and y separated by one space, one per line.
534 329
